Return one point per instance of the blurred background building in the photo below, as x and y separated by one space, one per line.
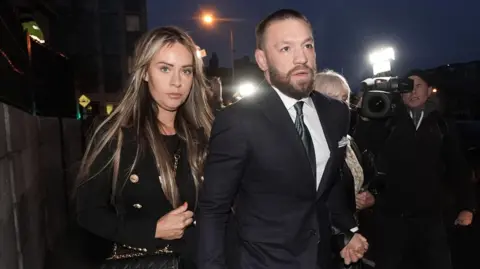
84 45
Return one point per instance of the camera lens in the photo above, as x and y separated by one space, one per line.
376 104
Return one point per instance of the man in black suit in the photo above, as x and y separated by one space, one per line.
275 158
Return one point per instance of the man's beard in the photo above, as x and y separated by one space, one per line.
283 82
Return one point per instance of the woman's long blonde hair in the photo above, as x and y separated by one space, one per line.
138 110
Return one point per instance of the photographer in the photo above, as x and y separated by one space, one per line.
417 156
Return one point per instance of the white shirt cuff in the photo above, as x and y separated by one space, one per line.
354 229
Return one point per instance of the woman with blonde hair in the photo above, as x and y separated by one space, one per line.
358 196
333 84
142 169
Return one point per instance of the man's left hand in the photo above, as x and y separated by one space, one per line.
464 218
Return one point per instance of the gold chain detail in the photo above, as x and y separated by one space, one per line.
137 252
176 158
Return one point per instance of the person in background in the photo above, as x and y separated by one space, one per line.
419 156
143 166
463 240
354 178
336 86
214 92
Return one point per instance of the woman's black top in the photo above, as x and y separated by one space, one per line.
140 201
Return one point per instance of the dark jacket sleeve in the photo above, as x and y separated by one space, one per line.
96 214
458 171
341 214
224 169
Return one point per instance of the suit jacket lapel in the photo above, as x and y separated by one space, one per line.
274 109
327 121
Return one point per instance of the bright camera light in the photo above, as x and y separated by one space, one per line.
382 55
380 60
246 89
381 67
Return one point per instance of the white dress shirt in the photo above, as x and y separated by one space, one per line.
312 121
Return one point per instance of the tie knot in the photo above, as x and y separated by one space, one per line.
299 107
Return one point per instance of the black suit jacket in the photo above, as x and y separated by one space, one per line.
139 205
257 160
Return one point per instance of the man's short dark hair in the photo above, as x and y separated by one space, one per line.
279 15
421 74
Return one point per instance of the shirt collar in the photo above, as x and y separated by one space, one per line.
289 102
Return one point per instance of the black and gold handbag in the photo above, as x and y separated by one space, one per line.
125 257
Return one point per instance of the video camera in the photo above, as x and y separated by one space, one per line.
382 96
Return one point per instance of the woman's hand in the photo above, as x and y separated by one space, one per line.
364 200
173 224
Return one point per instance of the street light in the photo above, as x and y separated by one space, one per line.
381 60
201 53
208 19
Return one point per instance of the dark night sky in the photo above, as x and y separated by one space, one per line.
425 33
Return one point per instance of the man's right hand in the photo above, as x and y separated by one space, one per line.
172 225
355 249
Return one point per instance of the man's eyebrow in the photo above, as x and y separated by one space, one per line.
289 42
282 42
309 39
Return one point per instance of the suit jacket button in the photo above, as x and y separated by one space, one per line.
134 178
137 206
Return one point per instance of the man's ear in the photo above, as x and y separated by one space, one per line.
261 59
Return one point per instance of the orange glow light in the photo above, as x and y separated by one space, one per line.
207 18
